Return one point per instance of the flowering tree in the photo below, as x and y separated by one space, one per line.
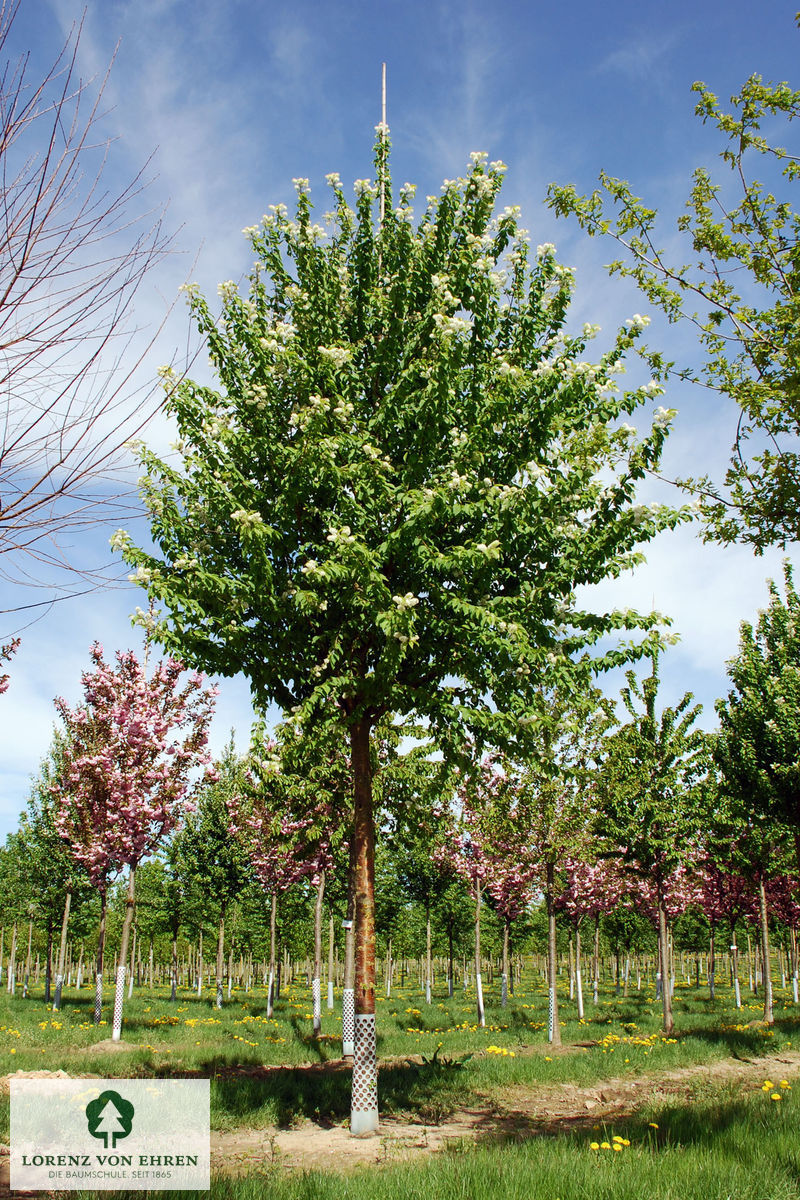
725 895
128 752
404 473
592 888
490 849
5 654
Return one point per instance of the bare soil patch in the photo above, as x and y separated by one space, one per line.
513 1113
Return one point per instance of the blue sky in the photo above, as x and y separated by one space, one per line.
234 99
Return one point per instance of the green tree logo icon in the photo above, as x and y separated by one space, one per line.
109 1116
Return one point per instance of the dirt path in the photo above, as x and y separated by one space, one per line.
515 1112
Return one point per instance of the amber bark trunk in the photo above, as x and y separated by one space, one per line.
364 1101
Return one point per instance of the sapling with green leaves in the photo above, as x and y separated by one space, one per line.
404 470
736 278
653 796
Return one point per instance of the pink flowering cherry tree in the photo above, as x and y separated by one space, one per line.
130 750
287 837
591 890
727 896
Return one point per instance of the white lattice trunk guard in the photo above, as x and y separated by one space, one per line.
364 1101
551 1014
59 988
330 994
119 996
348 1022
98 998
479 995
504 990
270 994
316 999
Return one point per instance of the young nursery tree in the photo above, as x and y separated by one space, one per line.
128 752
406 469
651 787
737 279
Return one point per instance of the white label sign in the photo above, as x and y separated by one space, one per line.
109 1134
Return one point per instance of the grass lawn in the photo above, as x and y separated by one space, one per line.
719 1139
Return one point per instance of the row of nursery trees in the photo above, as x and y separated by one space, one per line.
388 513
647 814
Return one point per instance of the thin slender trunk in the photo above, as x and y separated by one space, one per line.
119 994
427 955
220 956
173 991
389 968
504 978
478 980
12 974
766 965
48 967
349 976
364 1102
596 961
663 946
62 952
273 915
712 961
133 961
28 961
450 960
316 984
330 961
553 1026
101 946
578 979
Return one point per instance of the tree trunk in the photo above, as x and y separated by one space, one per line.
48 968
427 954
364 1102
766 965
62 952
553 1025
316 982
478 980
450 960
389 968
220 956
119 994
712 961
504 975
273 916
578 979
348 980
101 945
663 947
596 961
330 962
12 974
173 991
28 961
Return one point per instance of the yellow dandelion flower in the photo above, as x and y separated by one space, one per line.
776 1096
605 1145
594 1145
